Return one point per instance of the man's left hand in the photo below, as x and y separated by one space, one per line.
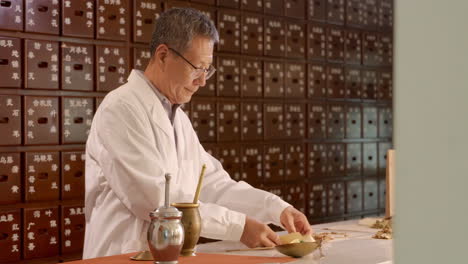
295 221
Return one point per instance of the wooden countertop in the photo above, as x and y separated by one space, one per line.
201 258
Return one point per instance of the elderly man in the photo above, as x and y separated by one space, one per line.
139 133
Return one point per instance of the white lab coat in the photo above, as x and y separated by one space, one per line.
129 149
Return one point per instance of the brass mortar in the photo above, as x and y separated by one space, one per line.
191 221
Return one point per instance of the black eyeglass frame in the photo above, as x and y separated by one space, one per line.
208 72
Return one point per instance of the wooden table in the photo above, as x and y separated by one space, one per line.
201 258
358 247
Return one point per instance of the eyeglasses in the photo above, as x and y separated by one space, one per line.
197 73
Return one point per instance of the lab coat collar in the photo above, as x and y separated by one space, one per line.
152 102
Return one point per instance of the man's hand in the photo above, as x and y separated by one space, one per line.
257 234
295 221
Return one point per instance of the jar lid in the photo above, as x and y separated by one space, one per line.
166 212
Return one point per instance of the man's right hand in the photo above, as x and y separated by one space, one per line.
257 234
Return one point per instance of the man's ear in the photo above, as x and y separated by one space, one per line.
160 54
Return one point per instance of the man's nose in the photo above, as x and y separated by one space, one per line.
201 81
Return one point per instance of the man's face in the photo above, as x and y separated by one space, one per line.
179 75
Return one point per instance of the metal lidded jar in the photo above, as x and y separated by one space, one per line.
166 232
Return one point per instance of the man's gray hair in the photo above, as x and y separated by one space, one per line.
177 27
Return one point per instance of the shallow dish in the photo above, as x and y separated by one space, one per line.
298 250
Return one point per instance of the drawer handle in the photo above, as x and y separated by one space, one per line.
78 67
148 21
5 3
42 231
3 61
42 120
112 17
79 13
42 8
43 175
112 68
4 120
78 174
79 227
42 64
3 178
78 120
3 236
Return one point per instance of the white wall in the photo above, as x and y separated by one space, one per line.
431 131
